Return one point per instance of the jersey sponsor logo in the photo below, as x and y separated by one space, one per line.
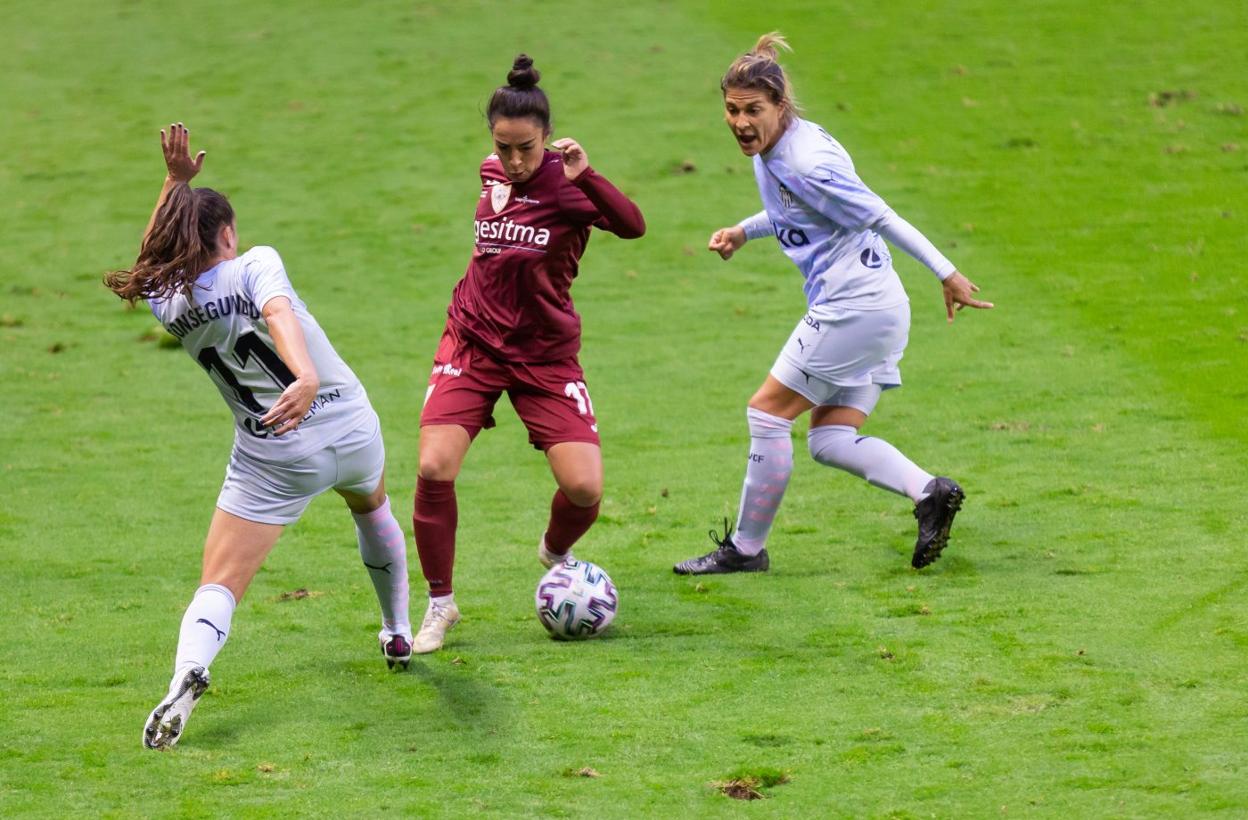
499 195
508 230
871 259
323 400
448 369
812 322
791 237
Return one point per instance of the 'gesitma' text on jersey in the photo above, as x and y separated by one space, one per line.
515 298
221 326
821 213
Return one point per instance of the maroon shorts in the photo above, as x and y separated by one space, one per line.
550 397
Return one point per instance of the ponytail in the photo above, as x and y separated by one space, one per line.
180 245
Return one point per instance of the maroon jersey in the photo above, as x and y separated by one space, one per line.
515 298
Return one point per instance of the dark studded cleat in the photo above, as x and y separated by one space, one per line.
724 558
396 649
935 516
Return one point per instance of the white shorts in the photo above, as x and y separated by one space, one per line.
842 357
279 493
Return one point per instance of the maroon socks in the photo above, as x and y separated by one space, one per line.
568 523
433 523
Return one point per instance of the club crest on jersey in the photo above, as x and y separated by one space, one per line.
499 195
786 197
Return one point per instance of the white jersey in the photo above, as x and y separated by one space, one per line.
221 327
821 213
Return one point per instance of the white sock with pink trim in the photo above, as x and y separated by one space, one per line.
383 549
766 478
882 464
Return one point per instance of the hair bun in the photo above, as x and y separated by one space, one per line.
523 75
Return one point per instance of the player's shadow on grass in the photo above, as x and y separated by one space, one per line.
218 731
465 699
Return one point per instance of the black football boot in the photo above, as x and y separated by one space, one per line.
935 516
724 558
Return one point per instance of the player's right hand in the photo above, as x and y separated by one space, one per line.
288 412
177 150
958 290
727 241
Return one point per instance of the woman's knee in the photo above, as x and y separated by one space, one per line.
437 465
583 491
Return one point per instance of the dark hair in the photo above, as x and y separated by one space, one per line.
759 71
520 97
179 246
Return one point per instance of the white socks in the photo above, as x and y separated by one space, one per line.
205 626
766 478
383 549
874 459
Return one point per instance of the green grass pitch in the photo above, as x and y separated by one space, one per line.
1081 649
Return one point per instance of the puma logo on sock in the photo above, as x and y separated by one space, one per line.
212 626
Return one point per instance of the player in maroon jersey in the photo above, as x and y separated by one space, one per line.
512 328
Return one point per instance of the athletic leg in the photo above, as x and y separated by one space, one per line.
383 550
577 468
552 400
770 414
233 552
443 448
834 441
463 387
442 451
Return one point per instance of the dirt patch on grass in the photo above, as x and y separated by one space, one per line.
749 785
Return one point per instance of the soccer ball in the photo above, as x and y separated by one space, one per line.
576 600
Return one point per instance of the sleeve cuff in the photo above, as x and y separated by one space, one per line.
756 226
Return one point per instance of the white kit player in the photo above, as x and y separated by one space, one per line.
303 423
846 349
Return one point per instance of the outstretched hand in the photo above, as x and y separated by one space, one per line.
574 159
727 241
958 290
177 149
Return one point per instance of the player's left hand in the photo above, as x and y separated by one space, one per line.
575 160
290 408
958 290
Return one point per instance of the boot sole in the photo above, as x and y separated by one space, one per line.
152 737
952 504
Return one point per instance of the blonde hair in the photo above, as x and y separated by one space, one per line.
758 70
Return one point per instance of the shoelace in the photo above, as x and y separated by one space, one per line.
716 540
435 611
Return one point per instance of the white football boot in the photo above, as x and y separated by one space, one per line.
548 558
439 619
168 720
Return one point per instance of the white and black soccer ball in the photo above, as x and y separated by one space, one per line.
576 600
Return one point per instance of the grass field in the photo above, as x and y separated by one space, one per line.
1082 648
